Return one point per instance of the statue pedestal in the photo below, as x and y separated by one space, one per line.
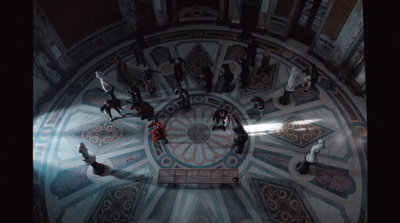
91 160
304 167
284 100
98 168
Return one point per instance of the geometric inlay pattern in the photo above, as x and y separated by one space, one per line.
300 97
160 55
69 181
334 179
260 81
193 143
235 52
118 204
275 159
66 190
196 58
281 203
102 134
200 216
300 132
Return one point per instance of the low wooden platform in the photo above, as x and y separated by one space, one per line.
198 176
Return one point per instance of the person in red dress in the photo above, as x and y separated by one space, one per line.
158 132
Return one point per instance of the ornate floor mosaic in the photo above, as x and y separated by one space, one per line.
271 190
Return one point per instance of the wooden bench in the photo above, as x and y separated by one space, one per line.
198 176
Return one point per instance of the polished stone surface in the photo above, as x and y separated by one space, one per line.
271 190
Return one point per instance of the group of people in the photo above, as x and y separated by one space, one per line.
147 111
241 136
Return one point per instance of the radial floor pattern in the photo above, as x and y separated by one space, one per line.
271 190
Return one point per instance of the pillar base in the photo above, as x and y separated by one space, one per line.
98 168
304 167
284 100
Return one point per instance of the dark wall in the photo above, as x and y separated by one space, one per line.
210 3
73 20
249 14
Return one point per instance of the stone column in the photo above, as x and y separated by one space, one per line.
235 7
222 10
175 12
45 33
291 19
351 31
128 10
41 60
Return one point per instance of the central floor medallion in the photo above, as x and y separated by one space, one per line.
192 143
199 133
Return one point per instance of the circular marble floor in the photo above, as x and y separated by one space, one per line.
271 190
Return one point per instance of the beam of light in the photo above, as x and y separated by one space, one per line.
257 133
307 121
263 129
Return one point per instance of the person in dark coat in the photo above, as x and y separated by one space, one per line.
241 136
221 114
122 71
265 60
207 75
109 104
145 110
227 76
177 62
147 78
251 51
136 96
259 106
311 77
137 50
244 75
140 35
185 98
159 132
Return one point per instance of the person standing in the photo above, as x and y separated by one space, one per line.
311 77
135 94
158 132
221 114
244 75
140 35
259 106
185 98
147 78
241 137
122 71
251 51
177 62
109 104
139 54
107 87
227 77
265 60
207 75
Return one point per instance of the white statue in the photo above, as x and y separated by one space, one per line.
89 159
312 156
292 79
42 61
104 82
